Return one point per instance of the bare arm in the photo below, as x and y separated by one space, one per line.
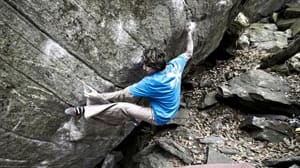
190 44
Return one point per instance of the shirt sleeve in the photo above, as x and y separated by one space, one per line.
141 89
180 61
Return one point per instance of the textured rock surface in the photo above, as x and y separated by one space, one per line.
294 63
264 37
255 10
260 92
48 47
268 130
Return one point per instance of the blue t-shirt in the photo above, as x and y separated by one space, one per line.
163 89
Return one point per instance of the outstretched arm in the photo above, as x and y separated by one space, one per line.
190 44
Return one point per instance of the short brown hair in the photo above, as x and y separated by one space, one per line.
154 58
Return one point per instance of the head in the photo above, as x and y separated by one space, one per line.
154 60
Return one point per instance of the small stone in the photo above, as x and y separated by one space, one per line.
211 140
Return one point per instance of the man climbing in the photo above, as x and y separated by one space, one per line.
161 86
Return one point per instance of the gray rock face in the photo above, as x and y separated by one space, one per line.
263 37
268 130
258 91
48 47
255 10
213 156
153 156
283 162
212 140
160 153
175 149
294 63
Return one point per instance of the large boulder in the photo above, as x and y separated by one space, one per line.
256 10
263 37
294 63
264 129
259 92
48 47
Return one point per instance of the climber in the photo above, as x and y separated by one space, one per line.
161 86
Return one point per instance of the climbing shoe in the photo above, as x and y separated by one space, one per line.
75 111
